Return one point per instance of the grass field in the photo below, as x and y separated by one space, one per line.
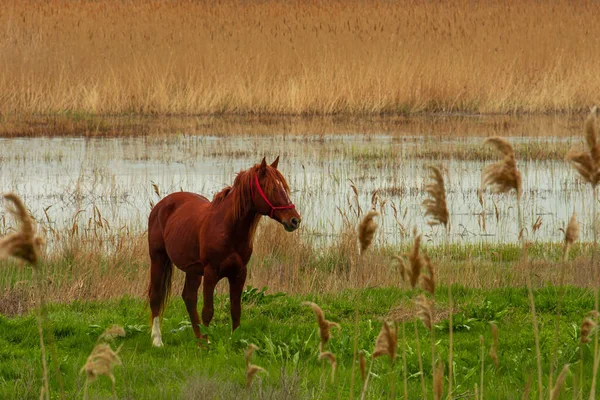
286 333
297 58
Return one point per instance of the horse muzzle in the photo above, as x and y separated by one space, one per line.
291 224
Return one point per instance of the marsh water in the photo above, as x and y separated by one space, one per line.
69 181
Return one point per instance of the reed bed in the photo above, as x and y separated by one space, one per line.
297 58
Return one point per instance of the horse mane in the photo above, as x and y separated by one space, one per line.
241 190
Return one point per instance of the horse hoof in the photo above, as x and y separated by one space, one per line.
157 342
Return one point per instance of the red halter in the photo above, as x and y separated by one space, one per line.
262 194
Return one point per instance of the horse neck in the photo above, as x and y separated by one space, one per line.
243 226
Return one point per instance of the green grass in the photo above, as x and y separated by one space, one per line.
287 335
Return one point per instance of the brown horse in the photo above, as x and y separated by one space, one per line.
212 239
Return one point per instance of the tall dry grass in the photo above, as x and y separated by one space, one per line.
187 57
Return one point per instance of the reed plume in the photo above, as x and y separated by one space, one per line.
251 371
415 261
428 281
588 327
502 176
112 332
386 343
332 361
435 207
101 361
424 311
324 325
23 244
494 347
588 163
362 362
249 352
366 230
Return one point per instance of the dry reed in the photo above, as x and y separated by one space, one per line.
187 57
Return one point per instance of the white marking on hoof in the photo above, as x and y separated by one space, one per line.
156 337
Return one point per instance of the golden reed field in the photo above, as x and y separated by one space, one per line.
298 58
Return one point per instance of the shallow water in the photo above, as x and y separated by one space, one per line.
64 180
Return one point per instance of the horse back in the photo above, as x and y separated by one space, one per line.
173 227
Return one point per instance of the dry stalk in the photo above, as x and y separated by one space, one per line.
26 245
588 166
560 381
571 235
482 365
438 381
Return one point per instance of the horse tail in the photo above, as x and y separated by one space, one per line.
159 289
165 285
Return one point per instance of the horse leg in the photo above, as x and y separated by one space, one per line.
236 286
210 281
190 298
160 282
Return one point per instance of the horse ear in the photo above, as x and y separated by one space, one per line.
275 163
263 164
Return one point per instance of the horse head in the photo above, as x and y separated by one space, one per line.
270 194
